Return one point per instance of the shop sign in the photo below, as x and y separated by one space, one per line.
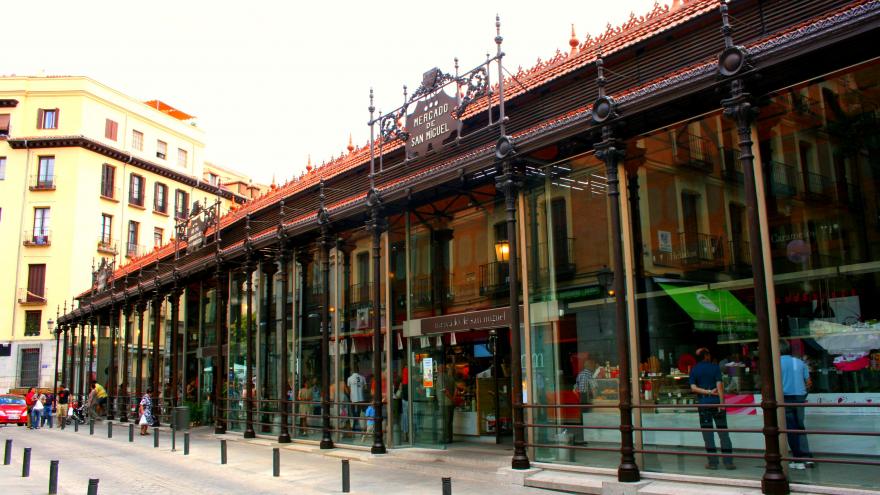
428 372
432 120
580 293
474 320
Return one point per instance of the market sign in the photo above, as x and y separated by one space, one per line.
462 322
432 119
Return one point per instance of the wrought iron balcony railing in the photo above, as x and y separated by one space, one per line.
38 237
42 182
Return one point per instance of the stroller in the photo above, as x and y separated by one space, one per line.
78 413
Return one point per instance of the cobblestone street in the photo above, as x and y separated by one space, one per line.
126 468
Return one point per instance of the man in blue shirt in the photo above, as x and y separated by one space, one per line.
706 383
795 382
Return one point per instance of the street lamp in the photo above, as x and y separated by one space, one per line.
502 251
605 277
50 325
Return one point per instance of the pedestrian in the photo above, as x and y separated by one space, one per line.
145 411
62 399
46 417
795 384
706 382
304 396
37 411
97 400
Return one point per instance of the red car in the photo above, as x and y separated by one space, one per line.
13 410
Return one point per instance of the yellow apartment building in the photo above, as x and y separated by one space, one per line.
87 174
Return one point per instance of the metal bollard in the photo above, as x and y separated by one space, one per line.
173 438
91 427
131 432
346 481
26 463
75 426
276 462
53 477
447 486
186 443
109 429
155 438
7 456
93 487
222 451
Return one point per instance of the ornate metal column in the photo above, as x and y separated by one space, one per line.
139 376
303 257
249 388
82 357
510 182
93 320
376 225
72 363
733 63
283 259
174 301
220 404
111 368
126 344
156 307
65 377
58 331
611 151
326 242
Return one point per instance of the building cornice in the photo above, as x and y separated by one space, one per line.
121 156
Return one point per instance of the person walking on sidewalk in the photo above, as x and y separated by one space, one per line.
37 411
795 383
97 400
145 410
48 410
29 400
62 398
706 383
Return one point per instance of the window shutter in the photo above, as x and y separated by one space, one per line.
57 118
40 118
36 281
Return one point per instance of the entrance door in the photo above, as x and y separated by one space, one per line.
460 388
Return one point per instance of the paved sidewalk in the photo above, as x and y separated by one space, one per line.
126 468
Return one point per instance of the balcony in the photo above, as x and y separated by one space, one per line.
361 294
562 256
818 186
41 182
784 179
33 297
695 154
37 237
495 279
693 251
107 246
134 250
732 170
740 256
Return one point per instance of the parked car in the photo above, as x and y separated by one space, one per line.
13 410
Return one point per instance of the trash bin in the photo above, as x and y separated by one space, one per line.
180 418
566 438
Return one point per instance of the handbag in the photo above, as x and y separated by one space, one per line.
143 420
38 406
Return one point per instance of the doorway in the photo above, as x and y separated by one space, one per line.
459 388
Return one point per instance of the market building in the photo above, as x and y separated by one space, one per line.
535 259
88 176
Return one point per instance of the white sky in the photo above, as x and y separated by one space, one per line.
274 81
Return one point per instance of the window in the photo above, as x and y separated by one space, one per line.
110 128
2 167
136 190
4 124
182 157
161 149
29 373
106 229
32 321
41 226
45 173
160 198
181 204
157 237
213 179
132 247
137 140
36 285
108 179
47 118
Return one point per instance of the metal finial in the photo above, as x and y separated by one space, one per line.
456 64
321 197
498 38
726 30
371 108
600 73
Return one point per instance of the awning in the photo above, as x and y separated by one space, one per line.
711 309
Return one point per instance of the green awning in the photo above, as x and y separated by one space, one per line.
711 309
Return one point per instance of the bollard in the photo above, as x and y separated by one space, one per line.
186 443
447 486
75 426
93 487
131 432
109 429
7 456
222 451
53 477
26 463
173 438
346 482
91 427
276 462
155 438
62 420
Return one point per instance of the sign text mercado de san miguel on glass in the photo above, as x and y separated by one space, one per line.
533 258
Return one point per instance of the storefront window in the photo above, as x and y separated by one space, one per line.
695 295
572 312
819 148
237 352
